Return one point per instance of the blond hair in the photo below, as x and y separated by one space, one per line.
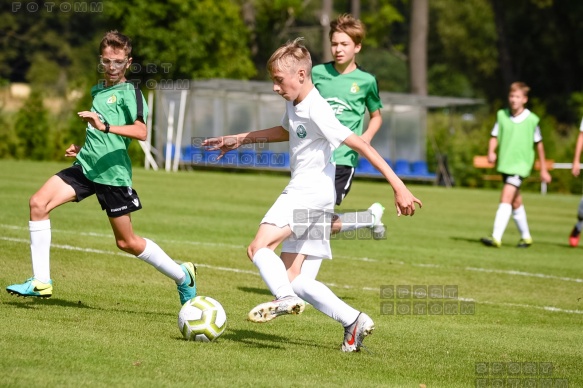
520 86
290 57
350 26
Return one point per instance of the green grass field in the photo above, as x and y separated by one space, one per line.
112 320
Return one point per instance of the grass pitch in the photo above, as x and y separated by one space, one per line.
112 320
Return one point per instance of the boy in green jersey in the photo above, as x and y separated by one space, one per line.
350 91
102 167
513 136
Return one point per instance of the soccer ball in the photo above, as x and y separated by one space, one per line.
202 319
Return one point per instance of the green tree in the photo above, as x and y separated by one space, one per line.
184 39
33 129
462 46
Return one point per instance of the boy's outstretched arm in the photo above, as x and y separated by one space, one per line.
232 142
404 200
577 158
544 173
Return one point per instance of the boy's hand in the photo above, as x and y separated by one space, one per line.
72 151
93 119
576 169
405 202
223 143
545 176
492 157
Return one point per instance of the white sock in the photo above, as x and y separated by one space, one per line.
356 220
519 216
310 267
323 299
501 221
40 248
156 257
273 273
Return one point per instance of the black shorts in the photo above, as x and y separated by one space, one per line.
115 200
514 180
343 182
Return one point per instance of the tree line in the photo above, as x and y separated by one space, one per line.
465 48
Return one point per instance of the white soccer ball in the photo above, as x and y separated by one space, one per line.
202 319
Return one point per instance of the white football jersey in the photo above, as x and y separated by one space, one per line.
314 132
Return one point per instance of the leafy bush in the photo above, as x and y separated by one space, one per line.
32 128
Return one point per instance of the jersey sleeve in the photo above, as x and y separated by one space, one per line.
538 137
373 100
495 130
581 126
325 120
285 120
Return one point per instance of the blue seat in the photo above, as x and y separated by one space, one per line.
190 154
419 168
279 159
263 159
230 159
402 167
247 158
364 167
209 158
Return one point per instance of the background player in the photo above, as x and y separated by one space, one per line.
350 91
514 133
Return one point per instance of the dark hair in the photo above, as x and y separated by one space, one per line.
116 40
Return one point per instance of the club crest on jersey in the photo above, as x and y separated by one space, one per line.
301 131
354 88
112 99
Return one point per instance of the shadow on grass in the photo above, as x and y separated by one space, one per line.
262 291
254 290
34 302
513 245
264 340
466 239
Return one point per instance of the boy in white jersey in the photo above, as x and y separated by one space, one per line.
300 217
102 167
515 133
350 91
576 169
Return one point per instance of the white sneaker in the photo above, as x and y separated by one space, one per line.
378 229
355 333
267 311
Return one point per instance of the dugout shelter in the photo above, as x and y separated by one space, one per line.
186 112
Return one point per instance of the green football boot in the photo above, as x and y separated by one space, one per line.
187 290
32 287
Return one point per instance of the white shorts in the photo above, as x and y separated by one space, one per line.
310 224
